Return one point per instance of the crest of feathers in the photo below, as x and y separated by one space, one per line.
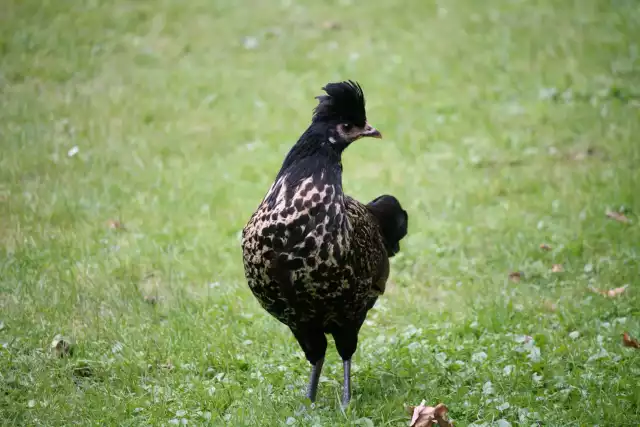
343 102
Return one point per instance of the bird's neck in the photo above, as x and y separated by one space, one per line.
309 185
312 157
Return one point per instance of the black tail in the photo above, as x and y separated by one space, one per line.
393 221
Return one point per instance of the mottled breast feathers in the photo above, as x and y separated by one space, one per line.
325 246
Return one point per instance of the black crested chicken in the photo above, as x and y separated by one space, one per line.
315 258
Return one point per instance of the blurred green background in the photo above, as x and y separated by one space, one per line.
137 137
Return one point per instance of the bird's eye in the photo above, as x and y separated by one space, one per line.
346 127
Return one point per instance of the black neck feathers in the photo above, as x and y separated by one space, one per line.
312 156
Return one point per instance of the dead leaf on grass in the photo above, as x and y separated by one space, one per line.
620 217
550 305
545 247
629 341
331 25
611 293
516 276
557 268
114 224
428 416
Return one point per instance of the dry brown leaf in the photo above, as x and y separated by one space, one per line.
629 341
620 217
428 416
550 305
611 293
616 291
114 224
516 276
331 25
557 268
545 247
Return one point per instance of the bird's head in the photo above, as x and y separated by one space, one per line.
342 112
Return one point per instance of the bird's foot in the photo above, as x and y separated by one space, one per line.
346 386
344 404
314 378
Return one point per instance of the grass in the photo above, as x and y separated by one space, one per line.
507 124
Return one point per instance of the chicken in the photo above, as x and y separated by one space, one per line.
315 258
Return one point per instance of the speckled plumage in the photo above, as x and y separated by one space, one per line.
315 258
331 247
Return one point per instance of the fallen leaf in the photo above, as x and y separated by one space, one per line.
550 305
115 224
629 341
611 293
427 416
557 268
620 217
516 276
61 346
331 25
616 291
545 247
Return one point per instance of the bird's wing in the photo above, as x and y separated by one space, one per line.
370 260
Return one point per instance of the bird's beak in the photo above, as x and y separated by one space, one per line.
371 132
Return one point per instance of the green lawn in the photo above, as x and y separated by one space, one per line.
507 124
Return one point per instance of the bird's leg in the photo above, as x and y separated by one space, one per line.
346 386
312 390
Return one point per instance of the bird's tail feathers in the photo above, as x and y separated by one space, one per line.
394 221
